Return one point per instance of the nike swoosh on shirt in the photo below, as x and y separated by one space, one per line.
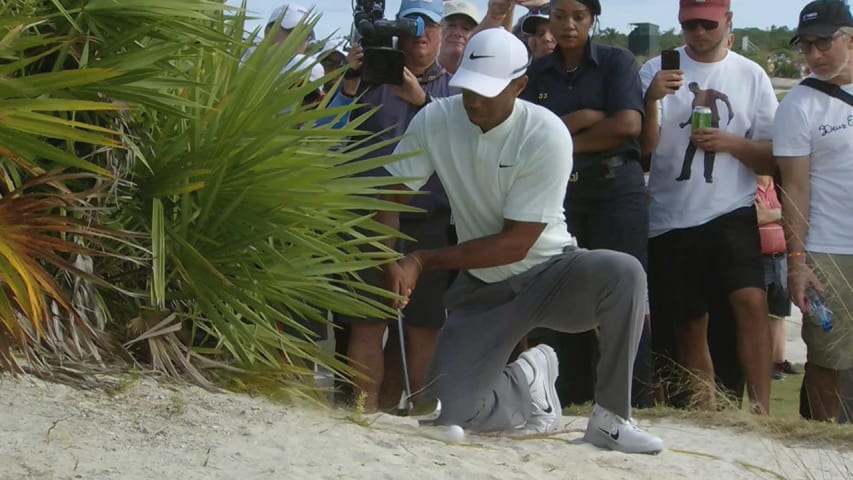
505 166
477 57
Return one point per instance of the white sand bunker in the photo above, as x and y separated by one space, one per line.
152 431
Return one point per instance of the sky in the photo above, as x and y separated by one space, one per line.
617 14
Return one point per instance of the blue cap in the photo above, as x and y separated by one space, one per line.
431 9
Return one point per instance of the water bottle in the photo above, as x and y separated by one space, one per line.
819 312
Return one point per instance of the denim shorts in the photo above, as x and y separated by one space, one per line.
776 282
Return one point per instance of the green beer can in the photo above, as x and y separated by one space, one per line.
701 118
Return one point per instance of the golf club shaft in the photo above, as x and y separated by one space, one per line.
406 384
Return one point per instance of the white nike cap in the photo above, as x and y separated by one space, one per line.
492 59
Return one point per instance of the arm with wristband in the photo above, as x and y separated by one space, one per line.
795 210
792 146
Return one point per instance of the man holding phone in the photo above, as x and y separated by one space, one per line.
704 240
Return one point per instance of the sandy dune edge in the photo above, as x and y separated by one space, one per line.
153 431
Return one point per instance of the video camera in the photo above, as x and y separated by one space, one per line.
382 62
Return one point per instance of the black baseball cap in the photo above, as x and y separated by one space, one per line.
531 21
822 18
594 6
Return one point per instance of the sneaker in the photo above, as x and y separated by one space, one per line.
540 366
786 368
778 374
605 429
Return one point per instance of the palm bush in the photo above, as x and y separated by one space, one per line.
215 217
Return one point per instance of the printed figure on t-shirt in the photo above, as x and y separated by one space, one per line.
703 98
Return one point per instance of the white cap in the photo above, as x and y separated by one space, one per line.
290 15
461 7
301 62
492 59
334 45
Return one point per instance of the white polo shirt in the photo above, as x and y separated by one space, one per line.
518 171
812 124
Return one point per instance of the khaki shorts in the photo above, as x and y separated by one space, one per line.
833 349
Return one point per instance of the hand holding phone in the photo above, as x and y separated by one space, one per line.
670 60
669 79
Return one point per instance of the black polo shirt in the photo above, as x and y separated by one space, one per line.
607 79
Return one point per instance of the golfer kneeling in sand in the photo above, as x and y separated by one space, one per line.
505 164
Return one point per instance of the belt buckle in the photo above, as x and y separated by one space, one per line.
610 164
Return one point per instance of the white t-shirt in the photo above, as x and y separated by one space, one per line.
811 123
516 171
745 103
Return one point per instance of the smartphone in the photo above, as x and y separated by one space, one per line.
670 60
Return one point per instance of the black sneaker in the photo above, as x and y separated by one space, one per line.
786 368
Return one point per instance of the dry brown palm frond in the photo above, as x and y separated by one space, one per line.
158 334
44 229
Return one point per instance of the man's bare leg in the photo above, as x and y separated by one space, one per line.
753 343
392 381
365 353
822 387
420 344
695 356
778 338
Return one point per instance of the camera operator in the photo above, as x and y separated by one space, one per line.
423 78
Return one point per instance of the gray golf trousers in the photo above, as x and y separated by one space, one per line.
573 292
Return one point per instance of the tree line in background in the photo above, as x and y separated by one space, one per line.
769 48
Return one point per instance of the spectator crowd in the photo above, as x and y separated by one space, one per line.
597 230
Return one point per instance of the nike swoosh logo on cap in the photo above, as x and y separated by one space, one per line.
477 57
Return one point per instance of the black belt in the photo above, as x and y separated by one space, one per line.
774 255
610 164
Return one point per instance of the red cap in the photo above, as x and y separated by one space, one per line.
713 10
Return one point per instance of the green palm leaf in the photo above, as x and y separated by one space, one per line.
249 211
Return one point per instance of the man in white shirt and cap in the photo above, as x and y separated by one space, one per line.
505 164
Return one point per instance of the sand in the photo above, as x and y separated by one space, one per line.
150 430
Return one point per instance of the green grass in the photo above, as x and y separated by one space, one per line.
785 396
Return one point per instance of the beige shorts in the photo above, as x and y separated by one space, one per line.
833 349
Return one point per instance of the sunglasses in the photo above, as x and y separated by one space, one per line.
543 10
822 44
707 25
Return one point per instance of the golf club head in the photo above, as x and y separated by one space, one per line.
426 413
